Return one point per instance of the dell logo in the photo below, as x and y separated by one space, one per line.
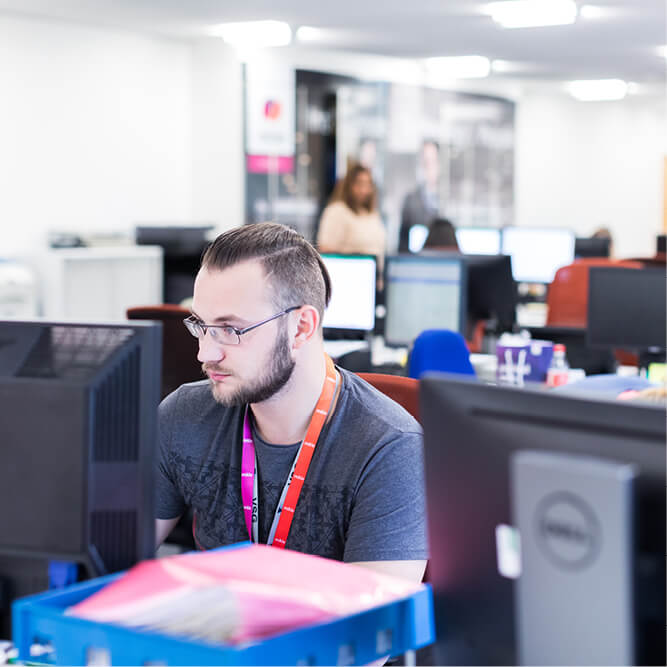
568 531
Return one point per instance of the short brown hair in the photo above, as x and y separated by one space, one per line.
297 273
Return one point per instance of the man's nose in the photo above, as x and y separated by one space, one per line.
209 350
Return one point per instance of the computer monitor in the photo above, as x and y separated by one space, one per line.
593 361
182 247
537 252
546 520
626 309
78 424
423 292
478 240
492 291
591 247
661 244
351 311
175 240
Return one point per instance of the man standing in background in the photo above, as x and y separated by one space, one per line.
422 204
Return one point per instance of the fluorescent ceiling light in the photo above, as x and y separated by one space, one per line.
253 34
459 67
598 90
662 51
532 13
502 66
512 67
308 34
593 12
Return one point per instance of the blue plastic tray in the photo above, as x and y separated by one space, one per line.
391 629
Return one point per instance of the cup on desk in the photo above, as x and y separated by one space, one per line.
522 360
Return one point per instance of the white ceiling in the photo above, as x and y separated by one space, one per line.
621 43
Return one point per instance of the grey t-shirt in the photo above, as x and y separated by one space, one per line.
363 497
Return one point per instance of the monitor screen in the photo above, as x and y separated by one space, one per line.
478 240
626 308
537 253
546 520
661 244
591 247
417 237
423 292
353 285
78 424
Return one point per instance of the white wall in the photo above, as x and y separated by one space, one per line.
100 129
95 130
217 130
586 165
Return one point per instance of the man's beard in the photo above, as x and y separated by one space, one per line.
269 383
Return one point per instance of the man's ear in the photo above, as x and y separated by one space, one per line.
307 325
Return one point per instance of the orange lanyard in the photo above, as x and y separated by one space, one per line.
282 520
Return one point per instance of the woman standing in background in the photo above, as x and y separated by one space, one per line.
351 224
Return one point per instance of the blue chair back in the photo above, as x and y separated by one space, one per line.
440 350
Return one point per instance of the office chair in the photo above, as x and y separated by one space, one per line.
179 348
567 297
403 390
439 350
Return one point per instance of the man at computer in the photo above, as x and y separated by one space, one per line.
237 448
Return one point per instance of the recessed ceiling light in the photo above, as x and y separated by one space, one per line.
532 13
458 67
662 51
253 34
598 90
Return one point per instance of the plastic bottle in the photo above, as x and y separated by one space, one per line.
557 374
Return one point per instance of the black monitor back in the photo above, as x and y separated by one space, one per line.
492 291
591 247
593 361
626 308
471 431
78 425
182 251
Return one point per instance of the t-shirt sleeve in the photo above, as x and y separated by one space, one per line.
169 502
388 520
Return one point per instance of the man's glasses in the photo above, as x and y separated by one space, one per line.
225 334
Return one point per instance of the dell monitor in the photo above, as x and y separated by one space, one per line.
546 520
423 292
478 240
537 252
591 247
78 424
626 309
351 311
492 291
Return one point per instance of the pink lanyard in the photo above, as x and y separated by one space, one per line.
289 498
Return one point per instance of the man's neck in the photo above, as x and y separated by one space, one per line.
283 419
